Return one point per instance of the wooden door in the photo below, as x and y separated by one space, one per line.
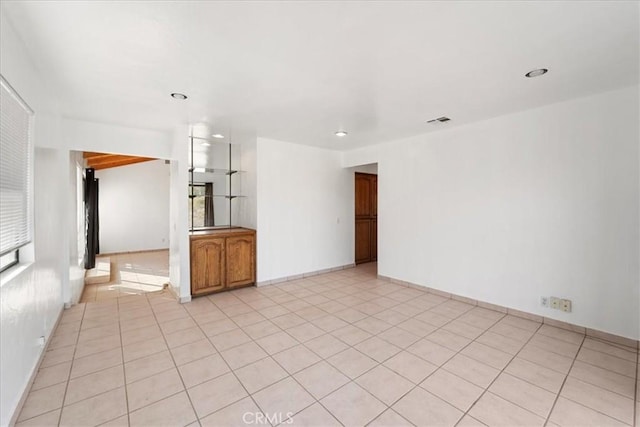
363 196
374 240
207 265
366 217
363 240
241 260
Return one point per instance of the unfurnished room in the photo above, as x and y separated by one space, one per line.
319 213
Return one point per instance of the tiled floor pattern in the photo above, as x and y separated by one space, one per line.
342 348
131 274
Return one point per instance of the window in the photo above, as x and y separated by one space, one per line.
196 206
201 213
16 184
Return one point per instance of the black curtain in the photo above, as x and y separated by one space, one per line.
208 205
92 219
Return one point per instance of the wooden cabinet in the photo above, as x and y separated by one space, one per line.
207 265
222 259
241 260
366 217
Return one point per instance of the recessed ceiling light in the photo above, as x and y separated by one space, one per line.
177 95
218 135
205 144
536 73
341 133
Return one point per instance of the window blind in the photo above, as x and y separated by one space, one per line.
16 175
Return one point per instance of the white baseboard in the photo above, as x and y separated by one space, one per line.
34 373
303 275
594 333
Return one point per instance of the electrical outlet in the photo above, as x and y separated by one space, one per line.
565 305
544 301
555 303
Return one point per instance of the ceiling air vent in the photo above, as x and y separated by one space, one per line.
438 120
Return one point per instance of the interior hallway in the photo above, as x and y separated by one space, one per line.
131 274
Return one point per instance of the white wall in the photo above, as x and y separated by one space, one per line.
134 207
247 205
371 168
83 135
31 295
305 209
179 261
100 137
76 222
542 202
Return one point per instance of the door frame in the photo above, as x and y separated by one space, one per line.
371 218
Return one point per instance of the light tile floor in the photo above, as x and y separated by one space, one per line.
131 274
342 348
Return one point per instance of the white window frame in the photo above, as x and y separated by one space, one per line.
12 256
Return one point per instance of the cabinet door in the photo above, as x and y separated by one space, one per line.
241 260
207 265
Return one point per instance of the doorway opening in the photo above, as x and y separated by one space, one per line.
129 231
366 214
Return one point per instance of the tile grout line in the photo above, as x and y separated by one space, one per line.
140 379
593 409
230 371
71 361
73 358
175 366
302 343
292 376
583 361
486 389
441 366
124 386
240 326
355 283
599 386
124 371
636 398
608 370
555 401
597 411
420 338
398 303
417 385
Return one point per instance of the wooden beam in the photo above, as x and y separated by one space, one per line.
104 160
91 155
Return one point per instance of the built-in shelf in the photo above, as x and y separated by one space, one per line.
213 183
226 196
214 171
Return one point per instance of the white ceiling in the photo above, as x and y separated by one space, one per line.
300 71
